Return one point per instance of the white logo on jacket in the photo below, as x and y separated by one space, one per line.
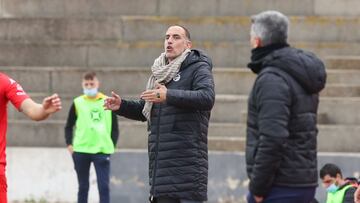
177 77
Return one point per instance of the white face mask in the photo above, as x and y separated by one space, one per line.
332 188
91 92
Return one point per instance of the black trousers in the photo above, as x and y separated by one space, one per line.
287 194
82 162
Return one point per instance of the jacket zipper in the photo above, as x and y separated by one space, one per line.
156 152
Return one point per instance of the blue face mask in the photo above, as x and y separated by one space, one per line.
91 92
332 188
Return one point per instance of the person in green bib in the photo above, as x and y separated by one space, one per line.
91 135
338 189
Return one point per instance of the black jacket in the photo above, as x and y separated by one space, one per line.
178 154
281 128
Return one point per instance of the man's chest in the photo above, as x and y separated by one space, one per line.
182 80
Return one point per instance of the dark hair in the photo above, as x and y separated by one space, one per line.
330 169
187 33
352 180
89 75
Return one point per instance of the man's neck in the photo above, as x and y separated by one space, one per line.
342 183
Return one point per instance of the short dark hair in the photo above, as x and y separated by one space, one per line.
330 169
187 33
91 75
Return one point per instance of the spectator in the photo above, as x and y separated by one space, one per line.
338 189
94 138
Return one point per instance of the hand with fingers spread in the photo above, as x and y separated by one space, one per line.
112 103
156 95
51 104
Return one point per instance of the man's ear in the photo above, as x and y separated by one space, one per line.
257 42
189 44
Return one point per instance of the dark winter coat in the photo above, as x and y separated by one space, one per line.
178 153
281 128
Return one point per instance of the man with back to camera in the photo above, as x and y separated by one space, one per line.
177 104
338 189
91 134
281 151
12 91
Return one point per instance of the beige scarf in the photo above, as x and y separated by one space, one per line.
162 73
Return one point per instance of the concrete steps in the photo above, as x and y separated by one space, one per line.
225 137
332 110
102 41
152 28
343 62
232 87
347 77
331 138
233 108
67 80
338 127
337 112
127 54
341 90
133 134
94 8
303 28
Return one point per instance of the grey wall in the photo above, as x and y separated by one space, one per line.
47 174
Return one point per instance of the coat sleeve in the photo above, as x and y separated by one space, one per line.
132 109
202 94
69 126
114 128
273 100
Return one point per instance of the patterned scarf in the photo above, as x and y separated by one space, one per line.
162 73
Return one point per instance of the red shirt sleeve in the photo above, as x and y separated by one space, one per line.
15 93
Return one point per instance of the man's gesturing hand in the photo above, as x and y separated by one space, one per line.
51 104
112 103
156 95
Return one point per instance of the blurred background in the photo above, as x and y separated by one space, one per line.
46 45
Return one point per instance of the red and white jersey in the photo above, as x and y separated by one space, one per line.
11 91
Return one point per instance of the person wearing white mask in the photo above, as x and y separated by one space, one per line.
93 139
338 189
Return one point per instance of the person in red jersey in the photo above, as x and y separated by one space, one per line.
12 91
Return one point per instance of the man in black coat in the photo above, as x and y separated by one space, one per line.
281 149
176 104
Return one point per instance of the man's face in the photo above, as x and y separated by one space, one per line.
328 180
175 42
90 84
253 42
